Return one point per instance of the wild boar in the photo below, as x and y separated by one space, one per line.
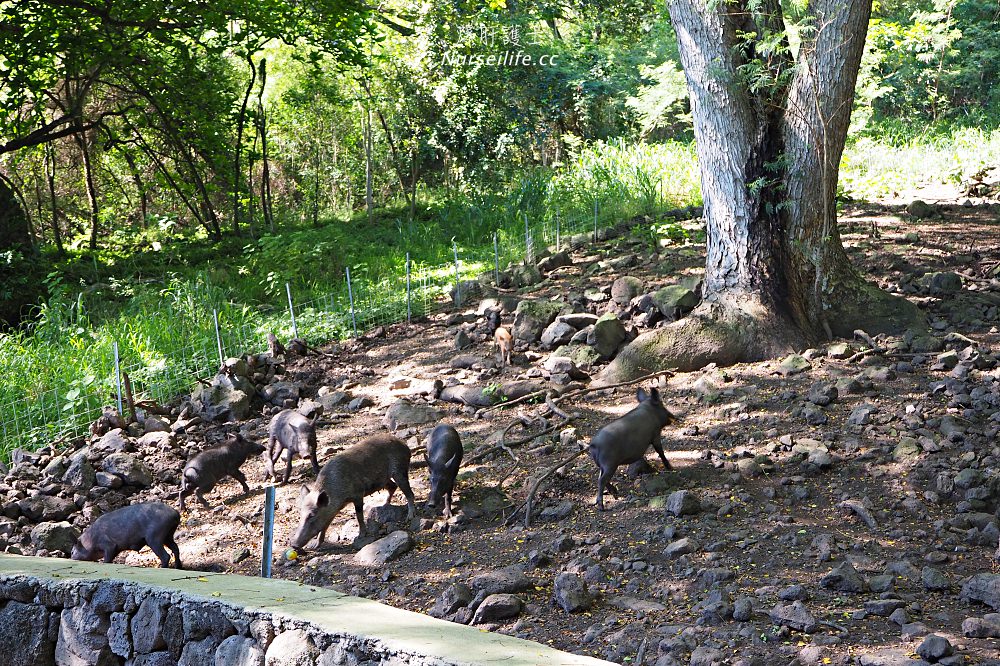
626 439
444 457
212 465
381 461
503 341
290 433
130 528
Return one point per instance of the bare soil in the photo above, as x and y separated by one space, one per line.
757 524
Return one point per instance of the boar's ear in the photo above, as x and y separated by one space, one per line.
451 460
323 499
654 396
303 491
641 395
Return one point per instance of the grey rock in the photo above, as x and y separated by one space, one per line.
24 636
46 508
53 536
385 549
455 596
683 546
704 655
200 653
862 414
637 605
624 289
161 658
883 607
557 333
675 301
462 339
558 511
683 503
531 318
239 651
553 261
578 320
507 580
794 593
920 209
607 335
361 402
523 275
794 615
160 440
402 414
146 626
984 587
987 626
933 579
743 609
291 648
889 657
934 648
822 394
113 440
119 641
570 592
80 475
130 469
793 364
497 607
844 578
942 283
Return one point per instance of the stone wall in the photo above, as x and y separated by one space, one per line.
54 612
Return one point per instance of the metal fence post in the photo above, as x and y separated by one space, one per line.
218 337
595 220
350 294
558 232
291 310
409 308
496 260
118 378
265 559
458 284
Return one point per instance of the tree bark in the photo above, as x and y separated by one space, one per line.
769 130
240 122
50 177
88 178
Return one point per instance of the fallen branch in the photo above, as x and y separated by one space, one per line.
493 449
591 389
534 488
555 409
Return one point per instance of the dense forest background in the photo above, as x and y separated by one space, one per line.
159 160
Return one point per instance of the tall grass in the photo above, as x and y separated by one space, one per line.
59 372
880 166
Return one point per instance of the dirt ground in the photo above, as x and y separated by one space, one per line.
764 508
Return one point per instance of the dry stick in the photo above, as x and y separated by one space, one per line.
534 488
591 389
555 410
518 442
129 397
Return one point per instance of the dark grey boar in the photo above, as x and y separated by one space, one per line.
444 457
212 465
381 461
130 528
626 439
291 434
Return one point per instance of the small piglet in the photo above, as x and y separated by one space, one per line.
381 461
444 456
130 528
502 338
625 440
212 465
290 433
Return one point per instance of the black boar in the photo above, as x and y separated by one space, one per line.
212 465
625 440
290 433
381 461
130 528
444 456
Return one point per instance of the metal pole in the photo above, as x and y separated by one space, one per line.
218 338
291 310
595 220
409 308
527 238
350 294
458 285
118 376
265 559
558 232
496 260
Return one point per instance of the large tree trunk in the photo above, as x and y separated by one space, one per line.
14 228
770 131
88 179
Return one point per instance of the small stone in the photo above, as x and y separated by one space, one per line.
497 607
793 364
935 648
844 578
933 579
680 547
569 591
385 549
683 503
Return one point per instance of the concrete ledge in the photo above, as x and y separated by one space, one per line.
343 629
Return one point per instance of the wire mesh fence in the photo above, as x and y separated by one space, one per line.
357 304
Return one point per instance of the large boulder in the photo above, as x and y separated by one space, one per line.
557 333
24 635
227 398
624 289
675 301
531 318
607 335
385 549
83 638
401 414
42 508
129 468
52 536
